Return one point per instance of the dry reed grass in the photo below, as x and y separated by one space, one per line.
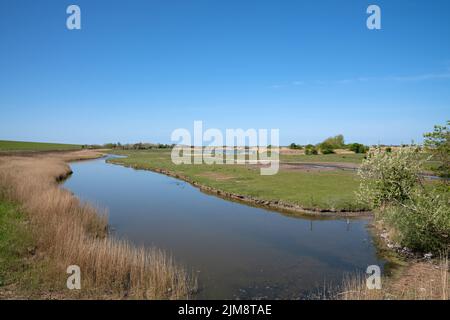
419 281
69 232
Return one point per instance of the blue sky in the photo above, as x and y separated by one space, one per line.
137 70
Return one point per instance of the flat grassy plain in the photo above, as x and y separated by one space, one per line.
310 189
35 146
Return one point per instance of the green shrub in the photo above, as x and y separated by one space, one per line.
358 148
335 142
423 223
326 148
310 150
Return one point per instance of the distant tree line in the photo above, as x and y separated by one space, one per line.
129 146
329 146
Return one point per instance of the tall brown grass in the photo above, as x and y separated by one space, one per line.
419 281
69 232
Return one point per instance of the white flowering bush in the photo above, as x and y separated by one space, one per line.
389 177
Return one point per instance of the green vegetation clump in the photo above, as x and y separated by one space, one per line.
310 150
423 222
358 148
336 142
330 144
326 148
418 213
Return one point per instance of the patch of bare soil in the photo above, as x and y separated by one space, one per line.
304 167
323 165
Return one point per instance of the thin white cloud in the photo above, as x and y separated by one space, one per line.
345 81
411 78
423 77
407 78
276 86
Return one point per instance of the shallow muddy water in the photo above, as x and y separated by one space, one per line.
237 251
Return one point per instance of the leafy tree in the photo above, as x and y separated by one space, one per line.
438 143
331 143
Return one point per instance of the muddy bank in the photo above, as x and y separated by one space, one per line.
318 166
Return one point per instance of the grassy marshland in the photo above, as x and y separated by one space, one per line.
315 189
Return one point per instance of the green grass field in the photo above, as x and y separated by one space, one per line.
35 146
312 190
14 242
